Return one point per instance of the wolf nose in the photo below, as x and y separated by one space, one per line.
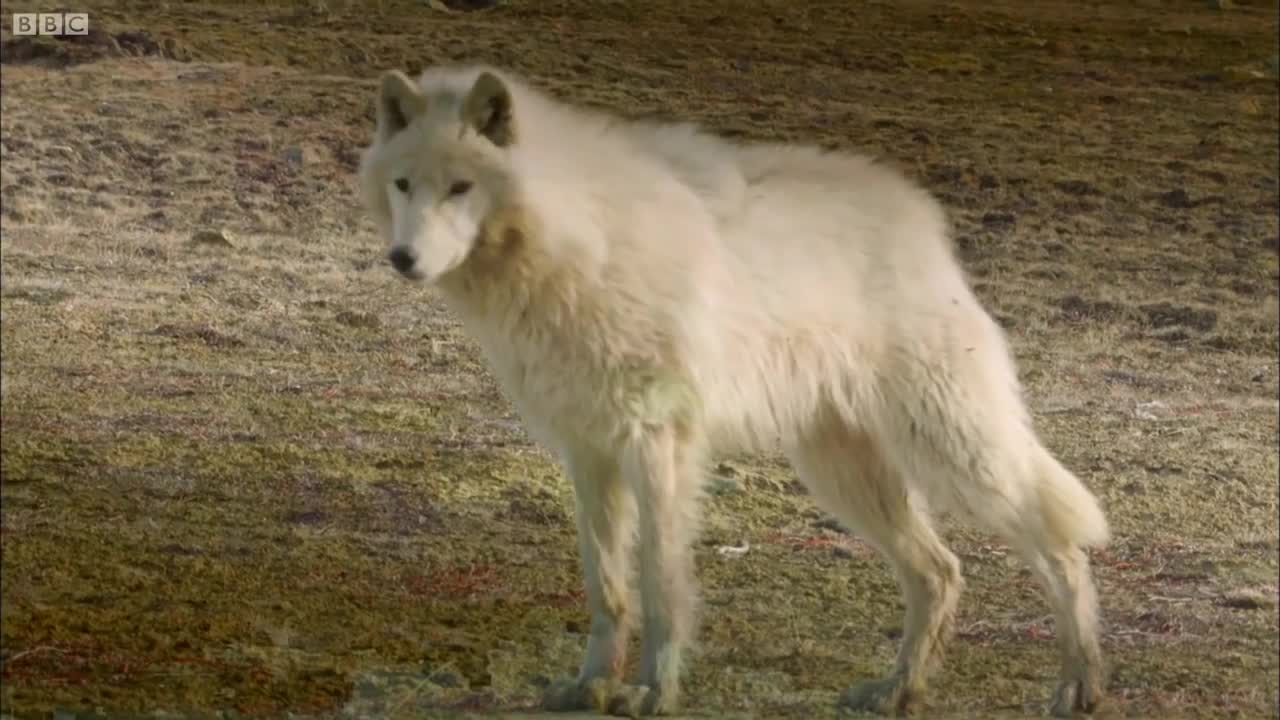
401 259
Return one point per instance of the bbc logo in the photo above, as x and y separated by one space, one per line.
51 23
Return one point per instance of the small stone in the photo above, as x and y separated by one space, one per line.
445 679
1176 198
841 551
1153 410
1076 187
1121 377
215 238
1248 599
723 483
830 523
462 5
299 156
1246 73
1249 106
358 319
998 219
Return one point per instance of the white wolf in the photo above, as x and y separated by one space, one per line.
648 294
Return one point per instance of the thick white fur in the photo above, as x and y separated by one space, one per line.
648 294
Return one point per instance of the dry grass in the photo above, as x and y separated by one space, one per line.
272 478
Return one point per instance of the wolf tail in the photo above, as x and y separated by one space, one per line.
1069 512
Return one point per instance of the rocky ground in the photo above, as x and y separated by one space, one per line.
248 471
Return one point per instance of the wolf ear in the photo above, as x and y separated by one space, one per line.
399 101
487 110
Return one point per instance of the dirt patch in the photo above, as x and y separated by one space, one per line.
1075 308
202 333
1163 315
61 51
365 320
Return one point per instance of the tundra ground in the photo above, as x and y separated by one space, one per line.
258 473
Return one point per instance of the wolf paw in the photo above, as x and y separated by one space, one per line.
887 696
574 695
640 701
1077 695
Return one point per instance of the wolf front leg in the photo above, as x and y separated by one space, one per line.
606 522
660 463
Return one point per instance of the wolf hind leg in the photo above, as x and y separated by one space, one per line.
973 449
849 477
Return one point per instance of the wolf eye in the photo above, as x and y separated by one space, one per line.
460 187
402 185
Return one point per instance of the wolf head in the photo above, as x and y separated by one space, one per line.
437 168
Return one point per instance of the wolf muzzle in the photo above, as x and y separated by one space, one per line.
402 260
